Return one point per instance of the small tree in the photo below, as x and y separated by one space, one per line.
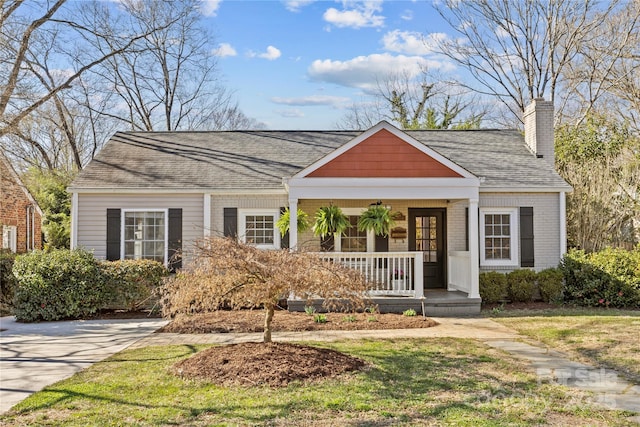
228 273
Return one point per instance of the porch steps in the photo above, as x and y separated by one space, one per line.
437 303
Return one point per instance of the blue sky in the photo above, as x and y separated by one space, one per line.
299 64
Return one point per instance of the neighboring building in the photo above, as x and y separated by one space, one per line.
20 216
466 201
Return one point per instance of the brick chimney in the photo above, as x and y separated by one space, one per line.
538 129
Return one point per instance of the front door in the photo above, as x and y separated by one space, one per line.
427 234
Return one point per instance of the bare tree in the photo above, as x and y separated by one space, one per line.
168 80
520 50
426 102
22 24
226 272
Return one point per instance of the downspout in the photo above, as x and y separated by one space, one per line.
27 228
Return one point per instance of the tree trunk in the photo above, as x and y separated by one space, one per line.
268 317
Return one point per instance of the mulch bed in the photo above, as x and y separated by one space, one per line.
253 321
270 364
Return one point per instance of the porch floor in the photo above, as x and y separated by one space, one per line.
437 302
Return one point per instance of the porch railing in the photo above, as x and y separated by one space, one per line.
390 273
459 271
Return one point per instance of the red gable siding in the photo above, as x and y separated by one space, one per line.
384 155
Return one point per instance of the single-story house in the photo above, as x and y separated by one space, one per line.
20 215
465 201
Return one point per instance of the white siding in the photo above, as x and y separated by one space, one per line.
546 223
92 216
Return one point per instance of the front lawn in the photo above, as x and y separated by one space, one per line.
599 337
408 382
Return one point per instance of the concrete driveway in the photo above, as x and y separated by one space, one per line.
34 355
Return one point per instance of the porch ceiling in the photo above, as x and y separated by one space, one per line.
383 188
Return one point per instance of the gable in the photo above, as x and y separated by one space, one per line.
384 154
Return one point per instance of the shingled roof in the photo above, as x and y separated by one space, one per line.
246 160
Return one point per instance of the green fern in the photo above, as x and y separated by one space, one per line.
330 220
283 221
377 218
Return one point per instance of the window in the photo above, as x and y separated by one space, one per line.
258 228
353 240
145 235
498 243
10 237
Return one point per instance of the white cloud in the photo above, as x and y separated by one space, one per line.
296 5
412 42
271 54
290 114
210 7
224 49
313 100
407 15
364 72
361 15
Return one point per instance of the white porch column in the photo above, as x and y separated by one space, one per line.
206 231
474 250
563 223
74 220
293 223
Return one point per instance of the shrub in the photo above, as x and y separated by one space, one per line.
60 284
7 280
129 284
493 286
409 312
550 282
521 285
610 278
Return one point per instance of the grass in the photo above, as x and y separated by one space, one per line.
409 382
599 337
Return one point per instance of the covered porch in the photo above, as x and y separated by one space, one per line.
386 166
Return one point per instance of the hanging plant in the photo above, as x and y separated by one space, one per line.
283 222
377 218
330 220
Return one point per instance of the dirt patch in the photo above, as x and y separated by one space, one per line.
272 364
253 321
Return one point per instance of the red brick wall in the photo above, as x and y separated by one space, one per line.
384 155
13 210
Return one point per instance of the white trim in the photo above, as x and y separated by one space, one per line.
514 235
146 190
563 223
206 223
74 220
293 224
396 132
485 189
337 239
383 188
474 248
166 229
242 225
10 237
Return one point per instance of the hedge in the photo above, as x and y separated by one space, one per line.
609 278
7 279
60 284
493 286
63 284
130 284
521 285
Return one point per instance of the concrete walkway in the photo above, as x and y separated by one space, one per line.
34 355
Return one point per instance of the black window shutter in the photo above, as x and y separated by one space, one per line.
381 244
175 239
466 229
284 240
327 243
526 237
230 222
113 234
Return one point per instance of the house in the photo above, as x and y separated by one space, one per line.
20 216
465 201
